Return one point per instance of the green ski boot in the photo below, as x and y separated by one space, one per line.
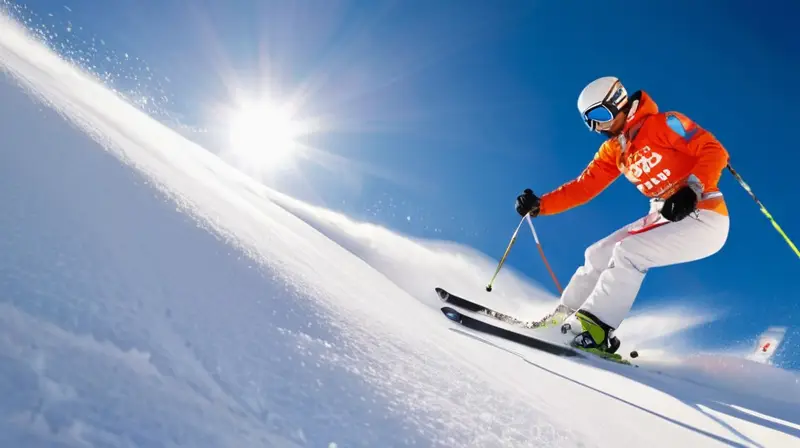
593 336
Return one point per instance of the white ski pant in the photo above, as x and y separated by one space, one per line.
614 268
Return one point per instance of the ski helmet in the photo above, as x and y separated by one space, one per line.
600 101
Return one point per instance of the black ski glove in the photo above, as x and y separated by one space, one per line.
527 203
680 205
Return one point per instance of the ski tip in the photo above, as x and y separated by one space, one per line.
451 314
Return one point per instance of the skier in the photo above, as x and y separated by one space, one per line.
672 161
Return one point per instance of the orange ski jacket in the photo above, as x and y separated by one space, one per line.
659 152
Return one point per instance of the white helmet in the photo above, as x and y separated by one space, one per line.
601 101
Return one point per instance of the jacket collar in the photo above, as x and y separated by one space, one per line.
641 107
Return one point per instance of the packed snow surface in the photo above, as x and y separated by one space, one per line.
153 296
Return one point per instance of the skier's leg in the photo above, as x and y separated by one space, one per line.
691 239
596 259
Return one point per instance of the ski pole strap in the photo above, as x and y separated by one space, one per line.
541 252
763 210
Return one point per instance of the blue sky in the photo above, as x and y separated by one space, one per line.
444 111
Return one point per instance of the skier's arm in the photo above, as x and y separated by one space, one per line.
712 158
600 173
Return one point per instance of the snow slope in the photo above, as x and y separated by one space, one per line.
170 301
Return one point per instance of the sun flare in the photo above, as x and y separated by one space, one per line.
263 135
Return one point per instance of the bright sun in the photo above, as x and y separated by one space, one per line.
263 136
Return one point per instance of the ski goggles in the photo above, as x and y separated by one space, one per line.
598 118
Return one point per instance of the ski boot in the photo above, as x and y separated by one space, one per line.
555 318
592 334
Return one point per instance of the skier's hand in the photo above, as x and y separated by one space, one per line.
680 205
527 203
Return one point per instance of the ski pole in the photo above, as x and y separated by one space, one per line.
503 259
763 209
541 252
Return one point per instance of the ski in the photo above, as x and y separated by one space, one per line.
529 341
469 305
487 328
